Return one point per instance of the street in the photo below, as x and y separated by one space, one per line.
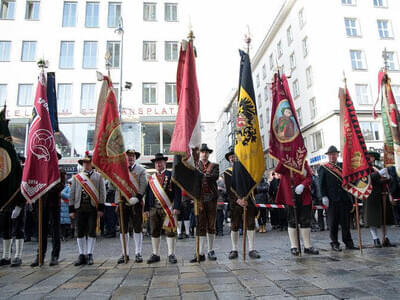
277 275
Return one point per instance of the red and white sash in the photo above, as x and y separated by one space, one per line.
89 187
165 202
132 178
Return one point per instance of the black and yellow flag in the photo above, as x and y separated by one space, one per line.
249 165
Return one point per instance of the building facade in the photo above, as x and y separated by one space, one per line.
314 43
75 37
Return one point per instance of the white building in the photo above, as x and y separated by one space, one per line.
314 42
74 36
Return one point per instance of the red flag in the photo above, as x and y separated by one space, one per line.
109 152
356 167
41 166
286 143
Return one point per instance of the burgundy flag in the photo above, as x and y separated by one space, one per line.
41 166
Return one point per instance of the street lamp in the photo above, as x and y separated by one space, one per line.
120 30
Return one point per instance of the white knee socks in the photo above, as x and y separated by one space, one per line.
122 243
292 237
187 227
7 249
374 234
210 240
179 228
306 236
82 245
234 239
155 242
201 244
91 242
138 237
19 246
171 245
251 237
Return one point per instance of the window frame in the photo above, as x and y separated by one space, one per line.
90 57
155 86
171 50
109 21
152 43
112 52
89 110
13 10
27 10
62 99
389 29
19 104
166 4
91 17
173 93
149 17
60 66
34 52
8 58
362 59
64 22
313 108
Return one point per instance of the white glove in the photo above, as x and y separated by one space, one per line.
299 189
384 173
325 201
133 201
15 213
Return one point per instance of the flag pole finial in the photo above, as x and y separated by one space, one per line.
385 56
43 64
190 36
344 79
107 59
247 39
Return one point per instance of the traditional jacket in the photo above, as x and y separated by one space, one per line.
209 188
286 185
330 183
139 174
76 192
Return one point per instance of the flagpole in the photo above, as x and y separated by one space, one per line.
296 219
121 219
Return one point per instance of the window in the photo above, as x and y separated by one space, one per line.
316 141
391 60
384 29
168 129
362 94
149 11
3 94
305 46
395 91
88 98
271 61
32 10
348 2
289 35
358 60
92 14
313 108
5 50
89 55
25 97
69 14
7 9
114 13
170 93
114 49
309 76
302 19
28 51
370 130
279 49
299 116
261 121
380 3
296 92
258 80
171 12
292 61
351 27
64 94
67 55
171 51
149 94
264 71
151 138
149 51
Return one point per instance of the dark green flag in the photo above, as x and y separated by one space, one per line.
10 167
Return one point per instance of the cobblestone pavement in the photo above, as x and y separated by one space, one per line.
277 275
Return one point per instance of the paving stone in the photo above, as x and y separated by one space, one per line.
236 295
276 297
344 293
228 287
165 292
319 297
189 288
305 291
94 296
199 296
266 291
76 285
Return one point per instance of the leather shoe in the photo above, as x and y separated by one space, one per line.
180 236
121 260
53 261
352 247
295 251
5 261
254 254
153 258
233 254
387 243
81 260
90 259
336 247
16 262
377 243
211 255
35 263
138 258
202 257
311 250
172 259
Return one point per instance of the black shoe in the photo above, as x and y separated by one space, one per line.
180 236
53 261
351 247
172 259
336 247
90 259
28 239
377 243
387 243
202 257
138 258
121 260
295 251
5 261
211 255
153 258
16 262
35 263
81 260
254 254
233 254
311 250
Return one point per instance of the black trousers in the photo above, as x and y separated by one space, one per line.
86 222
339 214
220 221
185 209
51 224
304 216
10 228
262 219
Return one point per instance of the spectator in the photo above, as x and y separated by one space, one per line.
65 220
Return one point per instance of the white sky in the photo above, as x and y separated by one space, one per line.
219 27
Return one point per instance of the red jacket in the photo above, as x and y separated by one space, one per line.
285 194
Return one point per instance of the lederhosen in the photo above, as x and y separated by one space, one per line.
86 215
208 206
236 209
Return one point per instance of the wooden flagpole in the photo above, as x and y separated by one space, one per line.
122 225
40 231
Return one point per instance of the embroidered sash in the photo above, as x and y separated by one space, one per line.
89 187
